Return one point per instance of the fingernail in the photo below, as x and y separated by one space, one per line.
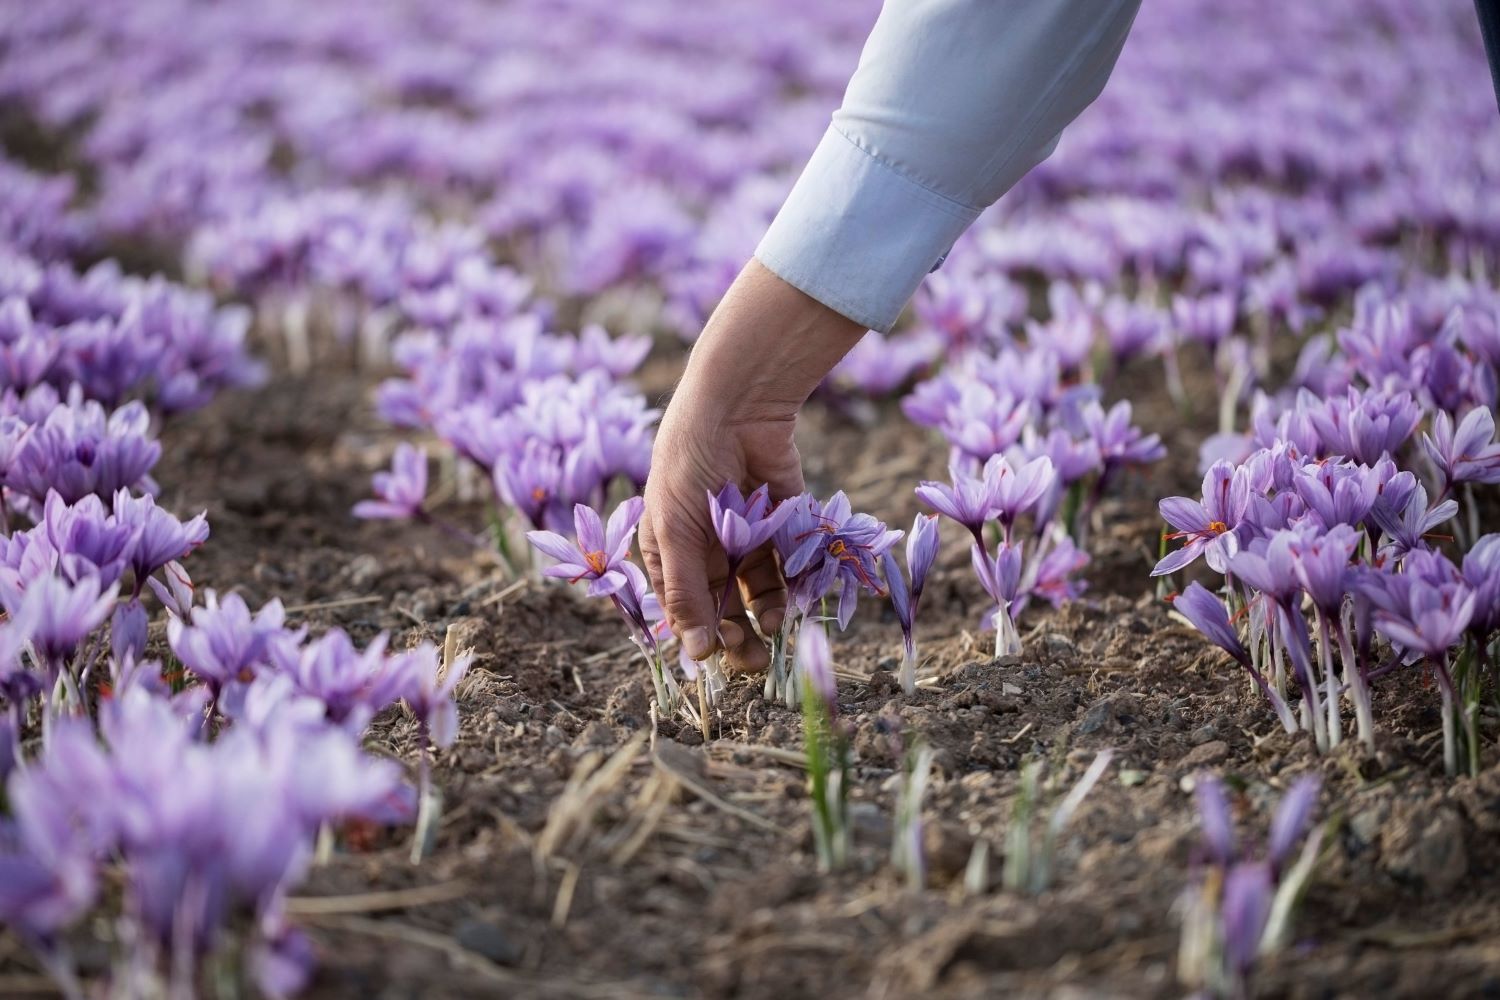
730 634
771 619
696 643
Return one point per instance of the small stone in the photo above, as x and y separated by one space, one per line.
1426 847
1008 688
1206 754
1204 734
486 939
774 735
595 734
944 763
1365 826
869 824
946 848
1110 714
1059 646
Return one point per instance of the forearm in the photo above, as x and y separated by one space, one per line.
766 347
952 103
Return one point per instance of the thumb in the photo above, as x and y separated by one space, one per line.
783 477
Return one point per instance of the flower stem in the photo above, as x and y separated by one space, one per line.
1325 664
909 663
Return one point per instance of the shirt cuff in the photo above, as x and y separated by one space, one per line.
858 235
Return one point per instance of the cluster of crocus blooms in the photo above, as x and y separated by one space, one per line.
1240 903
195 798
823 548
1015 566
312 169
206 798
1349 538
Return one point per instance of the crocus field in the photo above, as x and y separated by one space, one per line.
1145 606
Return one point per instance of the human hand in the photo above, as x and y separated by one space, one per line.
732 418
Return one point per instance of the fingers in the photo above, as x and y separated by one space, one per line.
676 551
744 653
763 590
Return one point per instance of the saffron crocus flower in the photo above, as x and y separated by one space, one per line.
352 684
414 676
921 549
1001 578
1208 527
1468 453
1337 494
1366 425
1054 575
985 421
1248 891
833 545
1209 616
80 449
815 661
1321 561
1481 571
743 524
968 501
1119 441
225 643
128 627
1425 610
60 615
1406 528
1208 320
1292 818
529 480
162 539
400 491
1214 819
1418 614
86 540
175 590
603 549
1015 491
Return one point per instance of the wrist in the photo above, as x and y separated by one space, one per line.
766 348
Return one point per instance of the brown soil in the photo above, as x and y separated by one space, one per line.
721 895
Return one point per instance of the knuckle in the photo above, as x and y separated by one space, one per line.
678 600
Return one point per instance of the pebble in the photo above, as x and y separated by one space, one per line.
1109 714
946 848
1059 646
485 938
1203 734
1206 754
595 734
1365 826
1426 846
869 824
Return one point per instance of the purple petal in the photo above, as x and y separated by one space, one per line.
589 528
553 544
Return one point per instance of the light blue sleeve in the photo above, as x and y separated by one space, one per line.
952 103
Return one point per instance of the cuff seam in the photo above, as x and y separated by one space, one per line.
844 307
952 206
